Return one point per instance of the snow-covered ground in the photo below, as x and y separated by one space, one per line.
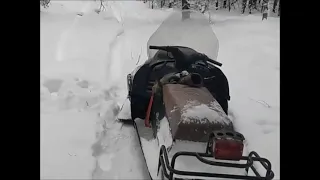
84 62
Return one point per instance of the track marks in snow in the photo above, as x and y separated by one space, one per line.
82 83
115 143
116 47
266 126
60 94
114 62
62 43
263 125
53 85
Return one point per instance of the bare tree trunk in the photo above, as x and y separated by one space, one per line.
244 5
265 9
264 5
101 5
161 3
275 3
185 4
217 4
232 3
252 5
279 9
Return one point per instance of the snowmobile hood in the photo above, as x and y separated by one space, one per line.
194 32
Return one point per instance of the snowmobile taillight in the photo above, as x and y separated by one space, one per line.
228 149
226 145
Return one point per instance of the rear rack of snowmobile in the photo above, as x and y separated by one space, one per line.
252 157
222 145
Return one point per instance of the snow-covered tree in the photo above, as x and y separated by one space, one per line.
244 5
44 3
252 5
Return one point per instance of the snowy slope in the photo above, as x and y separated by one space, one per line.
84 62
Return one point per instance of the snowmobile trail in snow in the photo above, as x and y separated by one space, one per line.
62 43
116 146
114 63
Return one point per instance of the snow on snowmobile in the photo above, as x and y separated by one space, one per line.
178 104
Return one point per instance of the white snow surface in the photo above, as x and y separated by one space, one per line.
164 133
193 111
125 111
84 62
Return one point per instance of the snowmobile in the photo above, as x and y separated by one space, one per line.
178 104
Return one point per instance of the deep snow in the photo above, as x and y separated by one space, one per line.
84 62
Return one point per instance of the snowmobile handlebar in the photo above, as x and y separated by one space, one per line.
175 51
165 48
214 62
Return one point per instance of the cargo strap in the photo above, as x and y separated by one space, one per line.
147 119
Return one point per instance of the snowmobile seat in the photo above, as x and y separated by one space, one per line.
193 113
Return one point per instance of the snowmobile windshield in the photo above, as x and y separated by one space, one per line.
186 28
